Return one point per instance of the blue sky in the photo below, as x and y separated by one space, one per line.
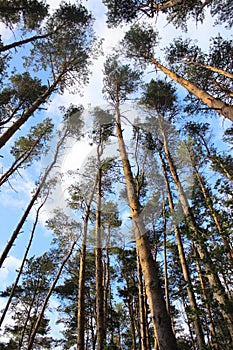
13 202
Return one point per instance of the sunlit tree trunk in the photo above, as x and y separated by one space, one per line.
212 102
161 321
6 136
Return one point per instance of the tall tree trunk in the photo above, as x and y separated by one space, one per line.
208 308
28 316
218 290
161 321
106 282
211 68
38 321
165 261
82 277
212 102
99 261
132 319
31 203
142 308
184 266
25 41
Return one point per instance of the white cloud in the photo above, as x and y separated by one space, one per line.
6 33
7 272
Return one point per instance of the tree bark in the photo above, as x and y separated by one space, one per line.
209 203
99 261
211 68
142 308
184 266
82 277
18 162
218 290
25 41
5 137
203 288
161 321
212 102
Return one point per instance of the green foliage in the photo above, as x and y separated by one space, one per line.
33 143
73 121
160 96
187 59
28 299
220 53
140 42
69 49
20 93
28 12
121 11
119 80
103 125
177 12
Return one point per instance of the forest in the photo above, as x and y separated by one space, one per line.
116 218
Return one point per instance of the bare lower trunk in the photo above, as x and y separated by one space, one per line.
82 279
218 290
142 309
22 264
209 203
184 266
210 319
99 262
161 321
